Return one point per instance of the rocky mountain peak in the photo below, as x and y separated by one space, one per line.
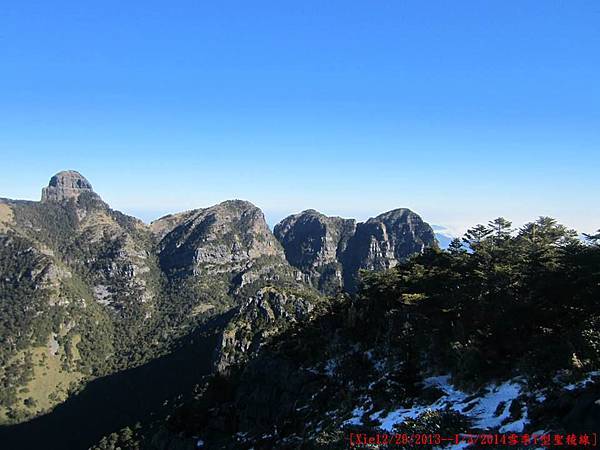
65 185
228 236
314 243
331 250
312 212
394 214
383 241
237 204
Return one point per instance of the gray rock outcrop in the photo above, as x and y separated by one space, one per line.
330 251
315 243
383 241
229 238
65 185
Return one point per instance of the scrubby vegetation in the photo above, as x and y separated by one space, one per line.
18 326
497 304
499 301
88 280
52 259
292 366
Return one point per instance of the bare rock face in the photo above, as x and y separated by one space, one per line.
65 185
383 241
227 237
330 251
314 244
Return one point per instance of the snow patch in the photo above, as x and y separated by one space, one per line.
356 418
487 406
517 426
583 383
487 411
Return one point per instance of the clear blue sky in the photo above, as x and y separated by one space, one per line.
460 110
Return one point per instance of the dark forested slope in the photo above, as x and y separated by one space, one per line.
499 333
98 309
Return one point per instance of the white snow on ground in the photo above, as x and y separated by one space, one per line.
487 405
400 415
481 410
580 384
356 418
517 426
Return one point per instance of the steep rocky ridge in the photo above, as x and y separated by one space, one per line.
79 285
89 291
268 313
224 237
315 244
229 242
383 241
65 185
227 255
330 251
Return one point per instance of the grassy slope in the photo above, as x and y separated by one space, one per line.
50 384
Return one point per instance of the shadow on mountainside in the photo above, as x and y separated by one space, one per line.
110 403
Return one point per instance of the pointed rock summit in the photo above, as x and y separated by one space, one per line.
65 185
383 241
331 251
315 243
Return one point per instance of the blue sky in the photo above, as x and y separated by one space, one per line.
462 111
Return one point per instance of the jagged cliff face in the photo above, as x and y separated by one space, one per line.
315 244
231 245
330 251
65 185
225 237
230 242
269 312
384 241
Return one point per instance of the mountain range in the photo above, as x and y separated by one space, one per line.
89 291
205 329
